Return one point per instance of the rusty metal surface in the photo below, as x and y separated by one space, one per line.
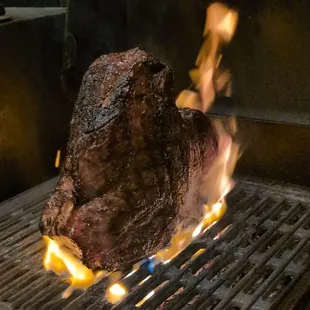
255 264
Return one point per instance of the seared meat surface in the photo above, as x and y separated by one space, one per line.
133 166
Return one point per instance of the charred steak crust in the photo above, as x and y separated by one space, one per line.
133 164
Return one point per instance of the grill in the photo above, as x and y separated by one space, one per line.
256 257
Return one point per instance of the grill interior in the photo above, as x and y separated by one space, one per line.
251 259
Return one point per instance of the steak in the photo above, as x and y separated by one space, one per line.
133 167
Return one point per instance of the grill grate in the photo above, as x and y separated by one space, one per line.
251 259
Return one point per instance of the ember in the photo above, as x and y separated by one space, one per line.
116 292
57 159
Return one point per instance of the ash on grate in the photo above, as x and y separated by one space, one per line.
303 256
306 225
280 212
217 273
265 208
257 280
297 214
233 282
281 285
252 238
179 291
291 245
270 242
213 303
194 299
207 265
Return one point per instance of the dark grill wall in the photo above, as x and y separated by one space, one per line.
34 107
95 27
170 29
34 112
33 3
269 59
270 64
269 55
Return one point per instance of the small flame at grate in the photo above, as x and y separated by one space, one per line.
116 292
61 262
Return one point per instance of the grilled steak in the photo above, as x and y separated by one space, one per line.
133 166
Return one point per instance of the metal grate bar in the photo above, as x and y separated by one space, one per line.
220 261
252 258
272 280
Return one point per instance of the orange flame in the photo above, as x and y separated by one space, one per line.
218 183
57 159
60 261
116 292
208 79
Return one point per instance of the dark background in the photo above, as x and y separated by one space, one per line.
268 57
33 3
34 112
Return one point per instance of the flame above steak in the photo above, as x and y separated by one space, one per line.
208 80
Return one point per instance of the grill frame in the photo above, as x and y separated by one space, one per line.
19 217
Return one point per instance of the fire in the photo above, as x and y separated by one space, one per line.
209 80
218 183
60 261
57 159
207 77
182 239
116 292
